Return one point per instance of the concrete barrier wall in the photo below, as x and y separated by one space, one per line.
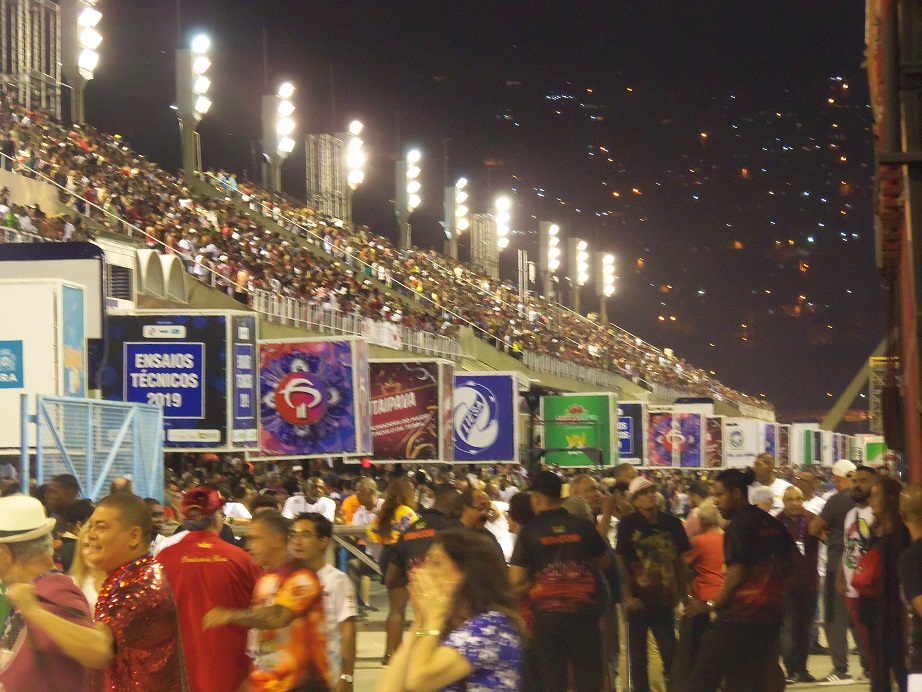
28 191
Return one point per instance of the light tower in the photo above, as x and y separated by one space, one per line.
503 205
578 267
406 195
548 253
605 283
192 101
355 163
457 216
79 43
278 128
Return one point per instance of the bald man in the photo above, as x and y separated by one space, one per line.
910 571
801 597
764 468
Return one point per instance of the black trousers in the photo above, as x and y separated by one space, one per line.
662 624
799 611
568 640
741 657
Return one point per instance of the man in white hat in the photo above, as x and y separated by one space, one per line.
38 592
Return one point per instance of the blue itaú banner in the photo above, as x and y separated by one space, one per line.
486 418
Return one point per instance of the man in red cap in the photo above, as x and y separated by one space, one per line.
205 572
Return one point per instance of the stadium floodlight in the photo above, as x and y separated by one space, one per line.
201 85
355 156
502 206
200 44
79 45
605 286
202 104
407 197
286 90
457 215
355 128
201 64
89 17
278 132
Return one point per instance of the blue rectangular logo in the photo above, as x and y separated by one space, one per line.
171 375
11 370
243 382
625 436
485 407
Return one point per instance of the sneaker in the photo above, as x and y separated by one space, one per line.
807 678
835 678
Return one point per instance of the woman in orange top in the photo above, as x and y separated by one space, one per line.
396 514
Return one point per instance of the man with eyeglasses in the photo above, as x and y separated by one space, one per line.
478 510
309 540
206 572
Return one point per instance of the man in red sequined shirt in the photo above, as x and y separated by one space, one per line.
135 602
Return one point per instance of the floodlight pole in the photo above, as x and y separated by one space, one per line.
185 110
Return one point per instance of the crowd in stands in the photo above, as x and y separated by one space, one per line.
102 179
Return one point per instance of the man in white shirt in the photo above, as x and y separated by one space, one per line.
313 499
764 468
309 540
235 511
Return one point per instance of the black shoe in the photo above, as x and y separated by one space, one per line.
806 677
817 649
369 607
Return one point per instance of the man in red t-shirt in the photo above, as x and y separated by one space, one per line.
204 572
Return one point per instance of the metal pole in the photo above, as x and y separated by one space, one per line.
24 447
603 311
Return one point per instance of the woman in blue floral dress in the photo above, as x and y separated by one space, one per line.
465 635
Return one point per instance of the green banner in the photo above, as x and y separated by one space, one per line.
580 422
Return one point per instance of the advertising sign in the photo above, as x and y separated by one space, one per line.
198 366
631 442
743 441
771 433
675 439
11 371
714 442
311 398
784 445
73 335
485 418
408 410
580 422
243 381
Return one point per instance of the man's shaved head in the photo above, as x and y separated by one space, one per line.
911 504
792 491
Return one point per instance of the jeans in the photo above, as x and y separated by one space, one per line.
662 624
742 657
837 622
568 638
799 611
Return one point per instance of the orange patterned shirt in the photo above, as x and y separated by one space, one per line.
293 657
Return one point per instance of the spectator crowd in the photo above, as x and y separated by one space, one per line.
515 579
243 238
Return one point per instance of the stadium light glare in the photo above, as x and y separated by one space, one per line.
414 201
90 38
88 61
89 17
286 108
414 156
413 187
461 184
200 44
202 84
286 145
502 217
355 128
286 90
285 126
202 104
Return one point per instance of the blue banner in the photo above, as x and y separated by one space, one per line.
74 340
11 370
631 432
625 436
485 418
165 374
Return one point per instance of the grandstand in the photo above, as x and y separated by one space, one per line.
296 266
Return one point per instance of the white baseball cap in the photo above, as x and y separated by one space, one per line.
843 468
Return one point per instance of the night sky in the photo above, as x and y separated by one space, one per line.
720 150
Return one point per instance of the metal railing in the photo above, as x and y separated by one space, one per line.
15 235
540 362
317 317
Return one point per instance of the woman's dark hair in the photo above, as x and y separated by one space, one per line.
486 581
520 510
400 491
737 479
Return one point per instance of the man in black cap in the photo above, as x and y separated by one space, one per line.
557 561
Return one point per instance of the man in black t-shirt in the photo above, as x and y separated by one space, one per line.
556 561
651 545
741 649
910 572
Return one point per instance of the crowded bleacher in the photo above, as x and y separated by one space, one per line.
104 182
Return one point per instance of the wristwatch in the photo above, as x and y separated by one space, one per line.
345 677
